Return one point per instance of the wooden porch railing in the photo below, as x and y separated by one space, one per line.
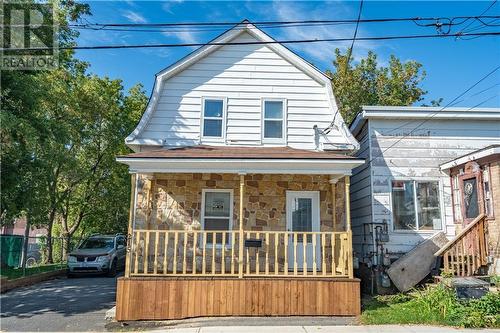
217 253
464 254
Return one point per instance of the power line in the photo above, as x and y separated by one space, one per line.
349 54
484 12
260 23
485 101
297 41
436 112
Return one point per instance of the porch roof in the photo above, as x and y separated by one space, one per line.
227 159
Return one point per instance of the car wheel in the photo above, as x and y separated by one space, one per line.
31 262
112 269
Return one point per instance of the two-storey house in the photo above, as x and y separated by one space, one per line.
240 178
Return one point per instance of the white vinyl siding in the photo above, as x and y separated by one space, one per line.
243 74
418 157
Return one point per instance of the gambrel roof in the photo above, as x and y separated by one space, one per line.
227 37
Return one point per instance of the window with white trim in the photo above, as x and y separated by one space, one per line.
273 121
213 118
217 212
416 205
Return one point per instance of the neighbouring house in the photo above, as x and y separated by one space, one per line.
403 194
240 189
18 227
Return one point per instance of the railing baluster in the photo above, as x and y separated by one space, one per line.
214 245
195 244
146 254
286 239
165 252
223 254
248 254
257 256
157 240
267 253
332 241
295 269
304 253
184 261
323 261
276 240
315 266
176 242
204 262
136 251
232 241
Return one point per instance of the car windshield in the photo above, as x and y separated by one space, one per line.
97 243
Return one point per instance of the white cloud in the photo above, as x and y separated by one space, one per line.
187 37
167 6
134 17
318 53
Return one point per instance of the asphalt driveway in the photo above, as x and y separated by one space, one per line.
77 304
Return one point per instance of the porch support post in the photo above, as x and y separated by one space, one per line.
333 182
133 181
240 250
348 226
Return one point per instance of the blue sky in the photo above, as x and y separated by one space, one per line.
451 65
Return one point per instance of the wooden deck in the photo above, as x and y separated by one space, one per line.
155 298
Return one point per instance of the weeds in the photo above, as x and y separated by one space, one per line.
434 305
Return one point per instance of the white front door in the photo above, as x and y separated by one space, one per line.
302 215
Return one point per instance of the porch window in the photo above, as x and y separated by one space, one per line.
416 205
274 121
217 212
213 118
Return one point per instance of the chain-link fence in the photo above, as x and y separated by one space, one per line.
39 255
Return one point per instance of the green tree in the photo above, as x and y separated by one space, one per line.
61 131
368 83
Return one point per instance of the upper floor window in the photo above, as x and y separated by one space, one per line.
416 205
273 121
213 118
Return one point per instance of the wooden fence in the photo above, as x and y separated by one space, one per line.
217 253
464 254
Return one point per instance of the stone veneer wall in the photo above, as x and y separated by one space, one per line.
173 201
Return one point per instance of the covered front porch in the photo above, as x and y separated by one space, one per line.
222 235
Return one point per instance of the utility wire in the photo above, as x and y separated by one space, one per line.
349 54
436 112
297 41
483 12
260 23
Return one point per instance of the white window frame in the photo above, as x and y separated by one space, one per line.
202 217
441 205
278 141
204 138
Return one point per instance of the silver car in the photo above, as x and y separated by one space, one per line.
98 254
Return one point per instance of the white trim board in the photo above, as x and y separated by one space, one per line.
263 166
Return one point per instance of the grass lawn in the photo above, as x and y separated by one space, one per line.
436 305
14 273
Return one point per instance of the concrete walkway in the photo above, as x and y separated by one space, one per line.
322 329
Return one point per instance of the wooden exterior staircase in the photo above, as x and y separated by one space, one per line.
467 252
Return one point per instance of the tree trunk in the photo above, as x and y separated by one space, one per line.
50 258
66 247
24 254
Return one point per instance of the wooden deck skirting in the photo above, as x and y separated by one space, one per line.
177 298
